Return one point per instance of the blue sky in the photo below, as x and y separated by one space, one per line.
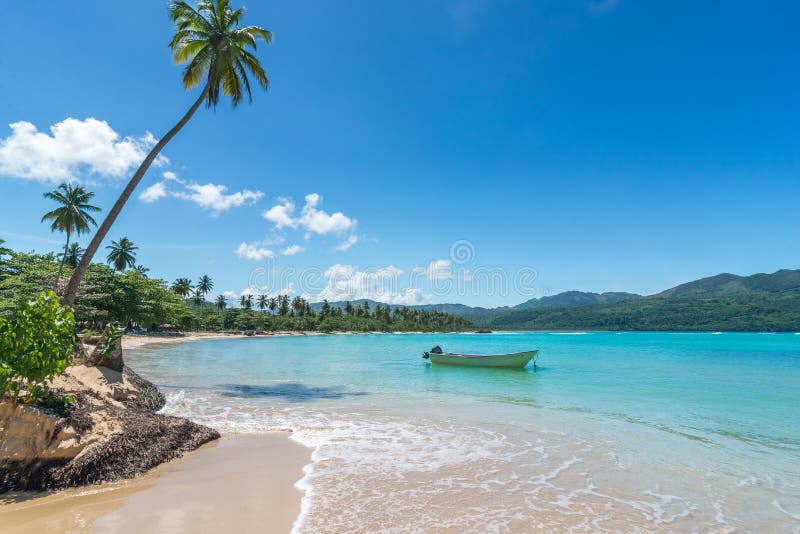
575 144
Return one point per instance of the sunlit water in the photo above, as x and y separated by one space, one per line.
612 432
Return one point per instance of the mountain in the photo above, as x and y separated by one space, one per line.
784 282
569 299
760 302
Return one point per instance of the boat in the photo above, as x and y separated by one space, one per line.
515 360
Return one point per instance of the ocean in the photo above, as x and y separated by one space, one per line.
611 432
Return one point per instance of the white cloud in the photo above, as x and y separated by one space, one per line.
153 193
73 146
347 243
291 250
436 270
211 197
344 282
320 222
311 218
253 251
281 214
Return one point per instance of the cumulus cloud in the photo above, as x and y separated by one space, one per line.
347 243
253 252
344 282
291 250
154 192
211 197
320 222
71 148
436 270
281 214
311 218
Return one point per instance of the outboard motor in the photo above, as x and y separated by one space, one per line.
435 350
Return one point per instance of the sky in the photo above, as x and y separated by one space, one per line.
474 151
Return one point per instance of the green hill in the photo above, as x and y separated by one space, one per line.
761 302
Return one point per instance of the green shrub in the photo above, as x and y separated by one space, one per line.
108 343
36 344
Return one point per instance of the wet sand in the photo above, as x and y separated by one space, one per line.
238 484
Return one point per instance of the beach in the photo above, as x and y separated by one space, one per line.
243 483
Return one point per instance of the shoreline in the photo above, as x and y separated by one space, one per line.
244 482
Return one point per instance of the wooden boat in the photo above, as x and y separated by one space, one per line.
516 360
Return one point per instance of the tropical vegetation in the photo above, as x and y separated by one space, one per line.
36 343
122 255
72 216
131 298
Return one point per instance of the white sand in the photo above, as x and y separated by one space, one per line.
237 484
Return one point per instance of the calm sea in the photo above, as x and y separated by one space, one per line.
612 432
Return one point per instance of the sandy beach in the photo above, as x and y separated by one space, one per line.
137 342
242 483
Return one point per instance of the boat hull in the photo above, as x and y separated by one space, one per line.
517 360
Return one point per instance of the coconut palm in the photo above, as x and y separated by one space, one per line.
72 216
73 255
246 301
273 303
198 298
122 255
204 284
182 286
262 302
221 302
215 48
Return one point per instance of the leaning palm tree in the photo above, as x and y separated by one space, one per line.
72 216
209 39
73 255
182 286
122 255
204 284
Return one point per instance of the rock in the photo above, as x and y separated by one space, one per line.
113 360
110 433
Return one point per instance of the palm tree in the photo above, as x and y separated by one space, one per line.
198 298
204 284
72 216
182 286
141 269
221 302
210 40
283 305
122 255
73 255
273 303
246 301
262 302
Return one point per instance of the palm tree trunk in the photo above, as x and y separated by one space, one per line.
80 270
61 266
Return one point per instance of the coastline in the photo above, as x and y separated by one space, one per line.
244 482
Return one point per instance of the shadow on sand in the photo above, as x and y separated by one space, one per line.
291 391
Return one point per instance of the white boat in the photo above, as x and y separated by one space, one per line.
516 360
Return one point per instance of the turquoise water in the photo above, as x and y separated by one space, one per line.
612 431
